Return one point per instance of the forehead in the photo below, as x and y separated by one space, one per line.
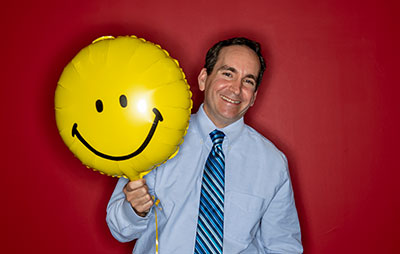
239 57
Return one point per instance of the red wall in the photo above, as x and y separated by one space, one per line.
329 101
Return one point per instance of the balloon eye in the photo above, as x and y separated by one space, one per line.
99 106
123 101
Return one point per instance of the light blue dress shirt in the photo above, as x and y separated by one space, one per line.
260 213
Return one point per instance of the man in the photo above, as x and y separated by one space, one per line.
237 198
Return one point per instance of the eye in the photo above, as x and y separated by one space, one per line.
227 74
250 82
99 106
123 101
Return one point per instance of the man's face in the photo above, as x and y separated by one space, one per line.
230 90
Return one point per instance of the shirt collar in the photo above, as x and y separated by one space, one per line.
205 126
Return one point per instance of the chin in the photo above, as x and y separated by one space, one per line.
231 118
230 113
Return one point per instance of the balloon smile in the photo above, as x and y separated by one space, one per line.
157 118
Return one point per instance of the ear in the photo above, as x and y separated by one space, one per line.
202 79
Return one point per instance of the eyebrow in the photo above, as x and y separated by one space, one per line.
229 68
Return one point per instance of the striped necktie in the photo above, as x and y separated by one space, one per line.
210 225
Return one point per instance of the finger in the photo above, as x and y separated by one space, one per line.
144 208
137 193
148 205
132 185
138 200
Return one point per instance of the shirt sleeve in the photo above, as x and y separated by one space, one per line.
280 228
125 225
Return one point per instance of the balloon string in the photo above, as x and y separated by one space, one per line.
155 213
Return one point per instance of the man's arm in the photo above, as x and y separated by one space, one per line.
280 229
127 210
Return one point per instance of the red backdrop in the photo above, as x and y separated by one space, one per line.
329 101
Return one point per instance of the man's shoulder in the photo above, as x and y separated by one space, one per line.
252 134
261 144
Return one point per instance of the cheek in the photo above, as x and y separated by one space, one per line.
218 84
212 89
252 101
249 94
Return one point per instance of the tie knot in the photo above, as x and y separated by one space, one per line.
217 137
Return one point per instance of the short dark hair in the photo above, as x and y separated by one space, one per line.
213 53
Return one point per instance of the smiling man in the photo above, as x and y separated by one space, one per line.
230 87
228 190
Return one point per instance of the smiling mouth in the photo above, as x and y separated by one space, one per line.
157 118
229 99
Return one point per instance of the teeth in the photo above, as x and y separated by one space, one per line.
229 100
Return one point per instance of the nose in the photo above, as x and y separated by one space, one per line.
236 86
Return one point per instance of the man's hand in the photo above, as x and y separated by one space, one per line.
137 194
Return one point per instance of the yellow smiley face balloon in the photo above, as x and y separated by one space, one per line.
123 106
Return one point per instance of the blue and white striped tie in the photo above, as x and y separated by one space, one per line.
210 225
